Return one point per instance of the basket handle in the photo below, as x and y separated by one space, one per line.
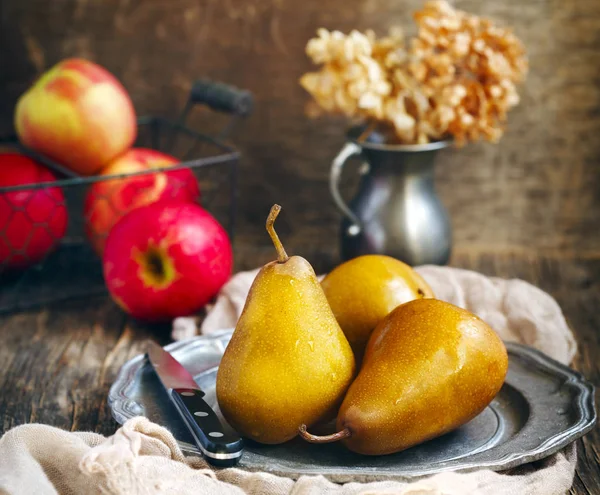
222 97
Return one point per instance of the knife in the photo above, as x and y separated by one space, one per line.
219 447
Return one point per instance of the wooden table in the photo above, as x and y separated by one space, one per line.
57 364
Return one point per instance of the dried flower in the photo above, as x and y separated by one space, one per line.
456 77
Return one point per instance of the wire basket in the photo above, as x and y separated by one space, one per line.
73 269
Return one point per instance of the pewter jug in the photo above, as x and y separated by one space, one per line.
396 211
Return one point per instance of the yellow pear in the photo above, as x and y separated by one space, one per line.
288 362
429 367
363 290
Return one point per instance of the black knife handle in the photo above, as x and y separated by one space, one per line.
218 447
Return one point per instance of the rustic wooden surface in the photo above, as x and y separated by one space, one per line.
57 364
538 188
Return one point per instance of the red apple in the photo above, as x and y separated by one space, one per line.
32 221
166 260
78 114
108 200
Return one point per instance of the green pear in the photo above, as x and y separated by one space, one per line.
288 362
428 368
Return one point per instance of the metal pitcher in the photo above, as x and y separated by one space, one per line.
396 211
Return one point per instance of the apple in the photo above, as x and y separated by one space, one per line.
109 200
32 221
78 114
165 260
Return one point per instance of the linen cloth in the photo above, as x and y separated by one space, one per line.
144 458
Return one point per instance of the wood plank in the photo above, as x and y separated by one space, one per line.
57 364
539 185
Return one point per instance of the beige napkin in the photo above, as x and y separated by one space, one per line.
143 458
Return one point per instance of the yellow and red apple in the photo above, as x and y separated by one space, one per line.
32 220
109 200
78 114
165 260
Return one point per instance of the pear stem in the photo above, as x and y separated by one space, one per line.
309 437
282 256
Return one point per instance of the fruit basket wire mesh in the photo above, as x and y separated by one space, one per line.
72 269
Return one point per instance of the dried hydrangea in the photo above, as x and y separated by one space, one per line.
457 77
351 80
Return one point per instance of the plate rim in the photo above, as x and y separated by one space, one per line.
121 411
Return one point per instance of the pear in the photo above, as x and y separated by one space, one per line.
429 367
288 362
364 290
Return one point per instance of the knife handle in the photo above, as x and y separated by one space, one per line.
218 447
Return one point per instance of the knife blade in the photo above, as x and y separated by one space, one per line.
218 447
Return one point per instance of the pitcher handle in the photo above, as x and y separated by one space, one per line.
348 151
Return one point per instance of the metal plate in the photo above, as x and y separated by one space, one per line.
542 407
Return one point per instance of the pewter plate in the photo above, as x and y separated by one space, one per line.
542 407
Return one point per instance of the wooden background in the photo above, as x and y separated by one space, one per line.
537 191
